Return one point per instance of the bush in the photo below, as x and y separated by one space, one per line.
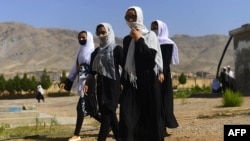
182 79
232 99
198 90
182 93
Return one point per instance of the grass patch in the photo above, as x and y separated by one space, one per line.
39 130
194 90
226 113
19 132
182 93
232 99
198 90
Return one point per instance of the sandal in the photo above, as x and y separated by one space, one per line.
75 138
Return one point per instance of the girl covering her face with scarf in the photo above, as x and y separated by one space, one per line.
149 39
105 62
141 117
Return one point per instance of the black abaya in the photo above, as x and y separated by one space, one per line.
166 87
140 111
108 93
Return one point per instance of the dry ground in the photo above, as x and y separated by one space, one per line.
200 118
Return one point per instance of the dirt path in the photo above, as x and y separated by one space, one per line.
200 118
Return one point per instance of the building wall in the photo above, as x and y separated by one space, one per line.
241 40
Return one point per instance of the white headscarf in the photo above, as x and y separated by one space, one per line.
150 39
84 52
40 89
104 60
163 37
83 55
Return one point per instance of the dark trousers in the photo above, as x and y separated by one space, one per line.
80 115
39 97
109 119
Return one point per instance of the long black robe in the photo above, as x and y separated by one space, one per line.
166 87
223 80
140 109
108 93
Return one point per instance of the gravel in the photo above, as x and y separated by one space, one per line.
200 119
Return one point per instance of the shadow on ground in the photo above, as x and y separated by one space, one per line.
47 138
58 137
210 95
206 95
41 138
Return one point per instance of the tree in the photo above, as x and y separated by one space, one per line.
45 80
63 77
33 84
182 79
17 83
10 86
2 83
25 83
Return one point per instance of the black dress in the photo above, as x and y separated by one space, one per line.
108 92
223 80
166 87
140 108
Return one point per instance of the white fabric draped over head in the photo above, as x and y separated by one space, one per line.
104 60
150 39
83 57
163 37
40 89
85 51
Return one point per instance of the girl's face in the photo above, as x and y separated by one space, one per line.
82 36
101 31
131 16
154 26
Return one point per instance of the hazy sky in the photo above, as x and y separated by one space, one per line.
191 17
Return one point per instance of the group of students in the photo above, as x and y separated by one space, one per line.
143 86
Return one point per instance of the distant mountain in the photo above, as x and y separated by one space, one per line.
24 48
202 53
